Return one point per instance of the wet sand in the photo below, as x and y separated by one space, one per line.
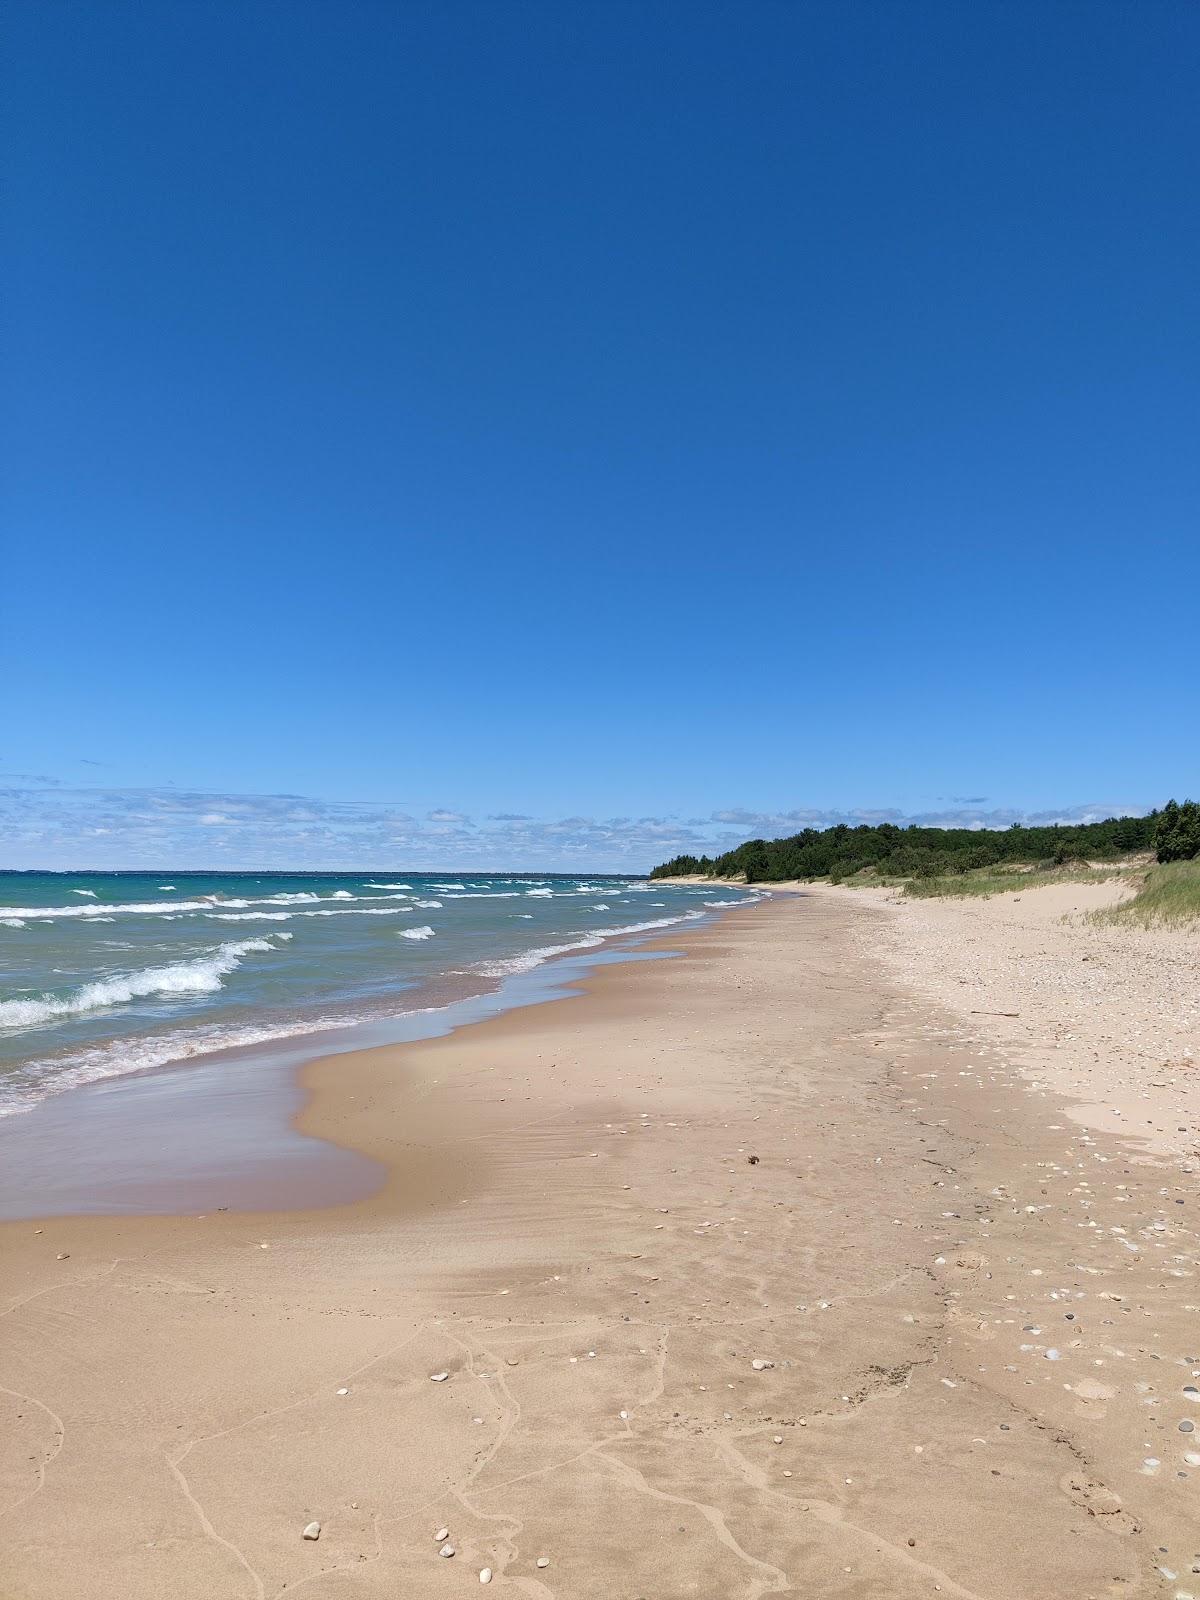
755 1271
218 1131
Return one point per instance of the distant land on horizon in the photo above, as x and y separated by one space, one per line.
1173 833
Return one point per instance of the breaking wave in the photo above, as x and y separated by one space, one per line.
201 976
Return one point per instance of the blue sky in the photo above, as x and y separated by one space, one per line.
656 424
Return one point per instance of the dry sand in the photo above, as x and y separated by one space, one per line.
936 1338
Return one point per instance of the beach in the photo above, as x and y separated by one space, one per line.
782 1264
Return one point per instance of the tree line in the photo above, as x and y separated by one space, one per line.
839 852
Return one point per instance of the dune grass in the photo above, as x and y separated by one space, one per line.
988 881
1167 893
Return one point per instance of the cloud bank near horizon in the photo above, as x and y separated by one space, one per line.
43 824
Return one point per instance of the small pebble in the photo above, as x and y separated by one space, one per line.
447 1550
485 1574
313 1531
761 1366
438 1377
543 1561
441 1535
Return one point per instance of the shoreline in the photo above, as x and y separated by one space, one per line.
244 1105
928 1309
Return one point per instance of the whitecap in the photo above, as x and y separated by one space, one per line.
481 894
12 922
89 892
200 976
250 916
356 911
134 908
427 905
417 933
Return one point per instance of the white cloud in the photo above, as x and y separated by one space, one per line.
60 827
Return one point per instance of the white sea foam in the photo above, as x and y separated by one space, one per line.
89 892
163 887
97 909
427 905
645 927
540 894
200 976
356 911
601 907
528 959
12 922
134 908
250 916
481 894
417 933
370 885
169 910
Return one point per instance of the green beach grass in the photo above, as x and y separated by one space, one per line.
988 881
1167 893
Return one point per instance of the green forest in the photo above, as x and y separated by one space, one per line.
1173 834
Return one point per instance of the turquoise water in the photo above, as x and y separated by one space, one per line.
103 974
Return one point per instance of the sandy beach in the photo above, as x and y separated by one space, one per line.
790 1264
